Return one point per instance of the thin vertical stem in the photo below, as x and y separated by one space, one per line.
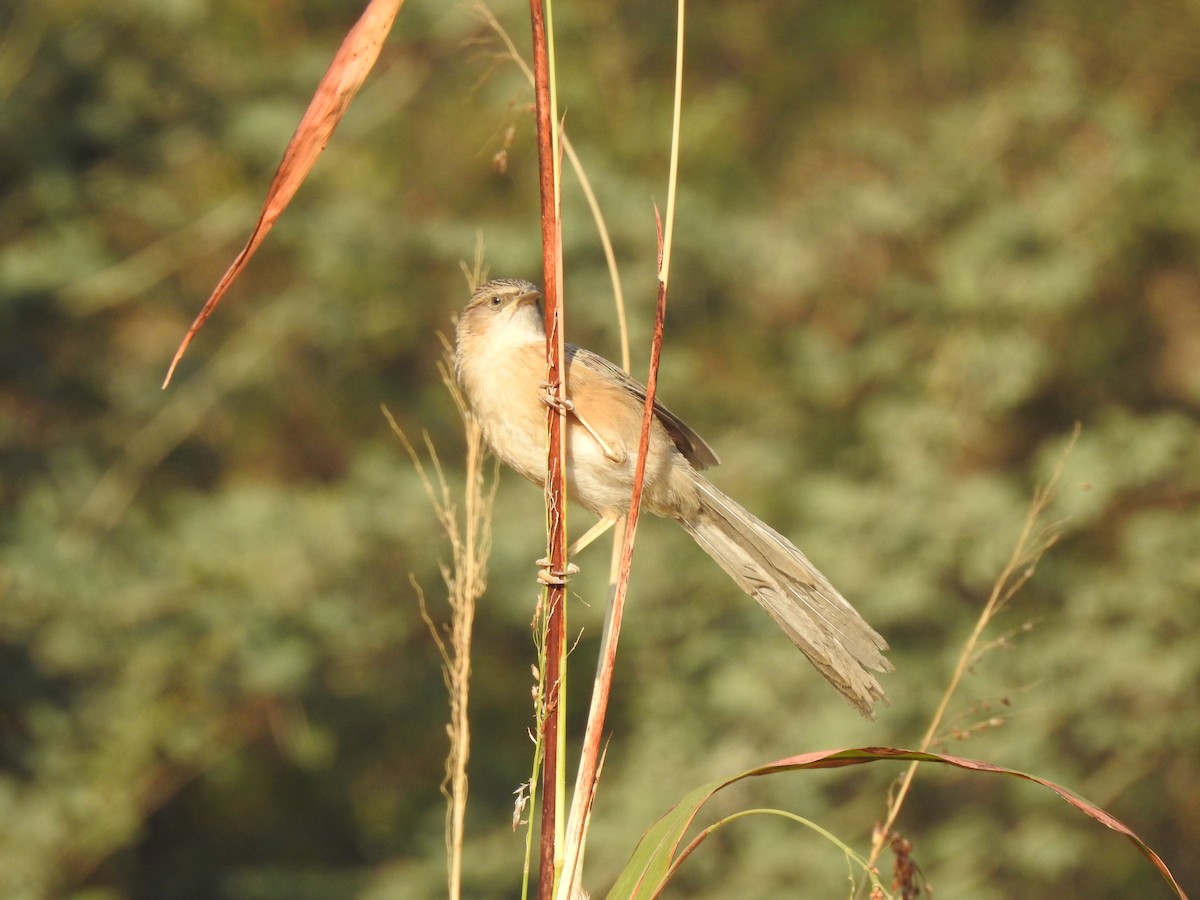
664 248
589 764
555 643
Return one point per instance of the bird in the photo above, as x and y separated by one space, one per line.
500 366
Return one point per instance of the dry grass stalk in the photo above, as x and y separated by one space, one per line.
1032 543
465 578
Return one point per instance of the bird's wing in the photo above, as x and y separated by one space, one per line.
694 448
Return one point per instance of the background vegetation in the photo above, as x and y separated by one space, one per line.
915 246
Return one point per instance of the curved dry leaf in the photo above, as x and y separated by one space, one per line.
648 869
345 75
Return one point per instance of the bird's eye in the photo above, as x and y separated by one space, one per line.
495 301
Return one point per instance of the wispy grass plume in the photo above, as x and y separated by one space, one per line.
469 532
1032 543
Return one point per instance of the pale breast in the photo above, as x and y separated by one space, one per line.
503 377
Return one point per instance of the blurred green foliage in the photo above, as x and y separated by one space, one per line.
915 246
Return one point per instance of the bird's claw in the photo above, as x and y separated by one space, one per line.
550 397
565 407
546 575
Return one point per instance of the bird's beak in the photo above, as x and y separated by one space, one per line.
529 297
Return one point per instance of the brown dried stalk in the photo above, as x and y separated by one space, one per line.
1031 544
556 486
466 579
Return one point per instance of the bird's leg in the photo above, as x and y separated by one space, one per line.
545 576
591 534
567 407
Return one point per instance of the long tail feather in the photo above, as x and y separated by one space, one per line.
768 567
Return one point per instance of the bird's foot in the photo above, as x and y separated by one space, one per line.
564 406
549 396
546 574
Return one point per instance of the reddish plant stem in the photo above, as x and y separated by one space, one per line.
555 471
590 759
